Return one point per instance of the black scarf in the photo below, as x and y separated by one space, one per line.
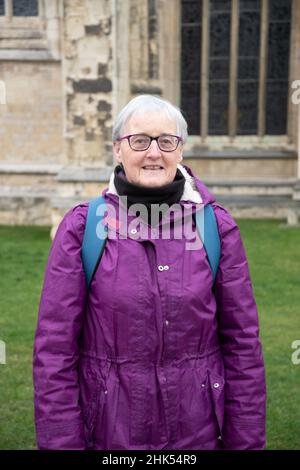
168 194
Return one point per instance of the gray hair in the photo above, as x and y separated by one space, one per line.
149 103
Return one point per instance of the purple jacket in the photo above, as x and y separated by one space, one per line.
151 358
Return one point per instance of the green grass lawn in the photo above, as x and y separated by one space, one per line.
274 258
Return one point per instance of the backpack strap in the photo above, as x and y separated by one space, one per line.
208 231
94 238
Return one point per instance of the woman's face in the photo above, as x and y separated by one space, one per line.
151 167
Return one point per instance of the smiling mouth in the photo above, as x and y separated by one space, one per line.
152 167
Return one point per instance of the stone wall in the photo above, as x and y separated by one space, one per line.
31 120
68 73
87 71
144 55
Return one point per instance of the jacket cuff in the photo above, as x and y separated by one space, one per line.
240 434
53 435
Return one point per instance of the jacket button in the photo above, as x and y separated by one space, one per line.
167 322
166 267
133 231
216 385
105 391
160 267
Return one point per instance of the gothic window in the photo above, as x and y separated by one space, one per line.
191 24
29 30
278 66
19 7
25 7
248 67
235 66
218 66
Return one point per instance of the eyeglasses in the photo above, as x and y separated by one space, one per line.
140 142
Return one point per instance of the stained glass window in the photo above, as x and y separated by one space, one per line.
248 67
2 8
220 5
249 5
191 62
219 52
25 7
220 66
278 66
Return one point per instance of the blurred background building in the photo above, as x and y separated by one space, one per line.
70 65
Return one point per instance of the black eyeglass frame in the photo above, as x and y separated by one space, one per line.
179 139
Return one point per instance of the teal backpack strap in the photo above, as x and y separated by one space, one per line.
94 238
208 230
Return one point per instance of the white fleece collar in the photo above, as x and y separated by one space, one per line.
190 191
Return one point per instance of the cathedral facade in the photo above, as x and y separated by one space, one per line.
68 66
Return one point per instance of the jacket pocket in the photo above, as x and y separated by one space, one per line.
217 393
92 399
92 412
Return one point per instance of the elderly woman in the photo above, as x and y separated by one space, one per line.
154 352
